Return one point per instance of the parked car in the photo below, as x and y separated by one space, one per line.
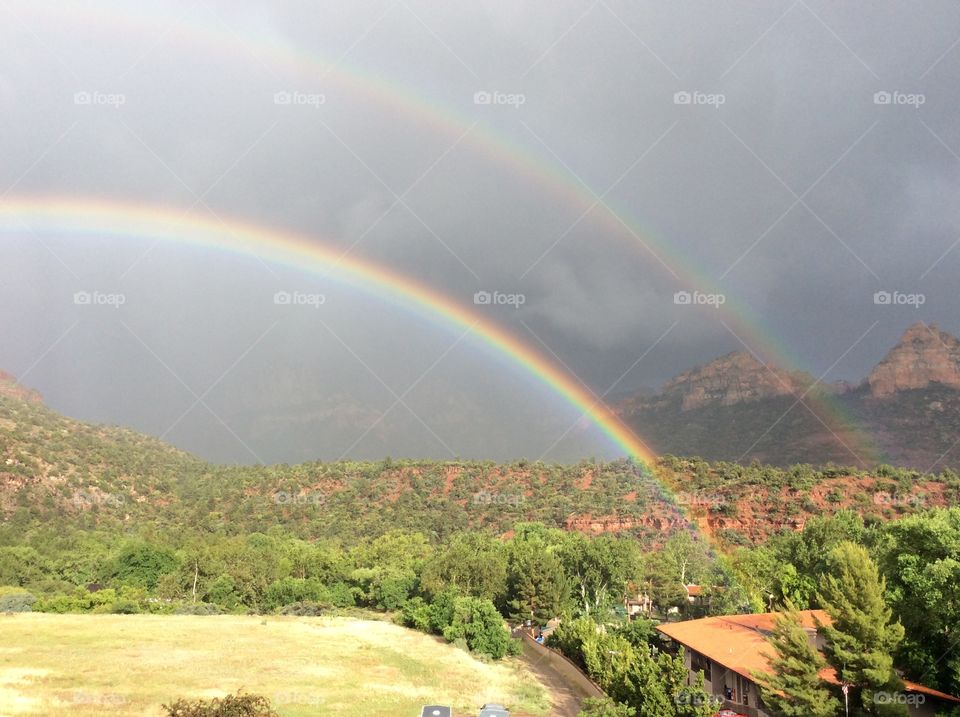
435 711
494 710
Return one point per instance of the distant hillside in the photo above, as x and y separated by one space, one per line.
57 471
737 408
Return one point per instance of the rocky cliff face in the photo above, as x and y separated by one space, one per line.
738 377
906 413
925 355
10 388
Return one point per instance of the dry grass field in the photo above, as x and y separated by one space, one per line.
129 665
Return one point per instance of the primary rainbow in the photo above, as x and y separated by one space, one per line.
92 216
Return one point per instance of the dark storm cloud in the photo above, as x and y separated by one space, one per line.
744 143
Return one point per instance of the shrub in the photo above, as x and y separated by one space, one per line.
441 611
416 614
304 608
197 608
17 602
477 621
124 606
230 706
604 707
339 595
288 591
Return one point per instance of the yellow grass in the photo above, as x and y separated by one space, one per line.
126 665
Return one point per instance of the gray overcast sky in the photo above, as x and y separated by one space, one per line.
595 157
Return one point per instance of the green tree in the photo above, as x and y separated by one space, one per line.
223 591
477 621
141 564
473 563
604 707
920 559
862 636
643 688
689 700
537 586
794 688
600 569
656 686
441 611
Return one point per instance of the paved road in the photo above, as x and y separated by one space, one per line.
566 697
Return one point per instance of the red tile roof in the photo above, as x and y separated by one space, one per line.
739 643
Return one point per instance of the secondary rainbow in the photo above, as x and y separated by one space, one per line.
88 216
496 146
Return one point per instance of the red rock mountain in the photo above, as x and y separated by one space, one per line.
736 408
738 377
925 355
9 387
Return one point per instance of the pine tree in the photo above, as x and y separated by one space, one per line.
795 688
644 688
537 587
862 638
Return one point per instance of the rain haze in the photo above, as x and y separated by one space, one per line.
565 172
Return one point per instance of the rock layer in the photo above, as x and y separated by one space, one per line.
10 388
924 355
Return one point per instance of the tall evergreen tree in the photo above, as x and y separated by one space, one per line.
862 637
795 688
537 587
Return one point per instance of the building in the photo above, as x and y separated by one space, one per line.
730 649
640 604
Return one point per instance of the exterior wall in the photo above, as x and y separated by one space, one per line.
720 679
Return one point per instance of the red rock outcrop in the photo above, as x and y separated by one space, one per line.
735 378
10 388
924 355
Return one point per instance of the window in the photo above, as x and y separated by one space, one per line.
700 663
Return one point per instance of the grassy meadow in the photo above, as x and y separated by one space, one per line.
126 665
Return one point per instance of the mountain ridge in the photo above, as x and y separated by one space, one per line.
739 408
54 469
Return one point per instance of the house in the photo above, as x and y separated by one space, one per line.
641 604
694 594
730 649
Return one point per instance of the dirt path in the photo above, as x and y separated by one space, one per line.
566 697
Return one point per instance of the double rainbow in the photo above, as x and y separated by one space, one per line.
260 47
